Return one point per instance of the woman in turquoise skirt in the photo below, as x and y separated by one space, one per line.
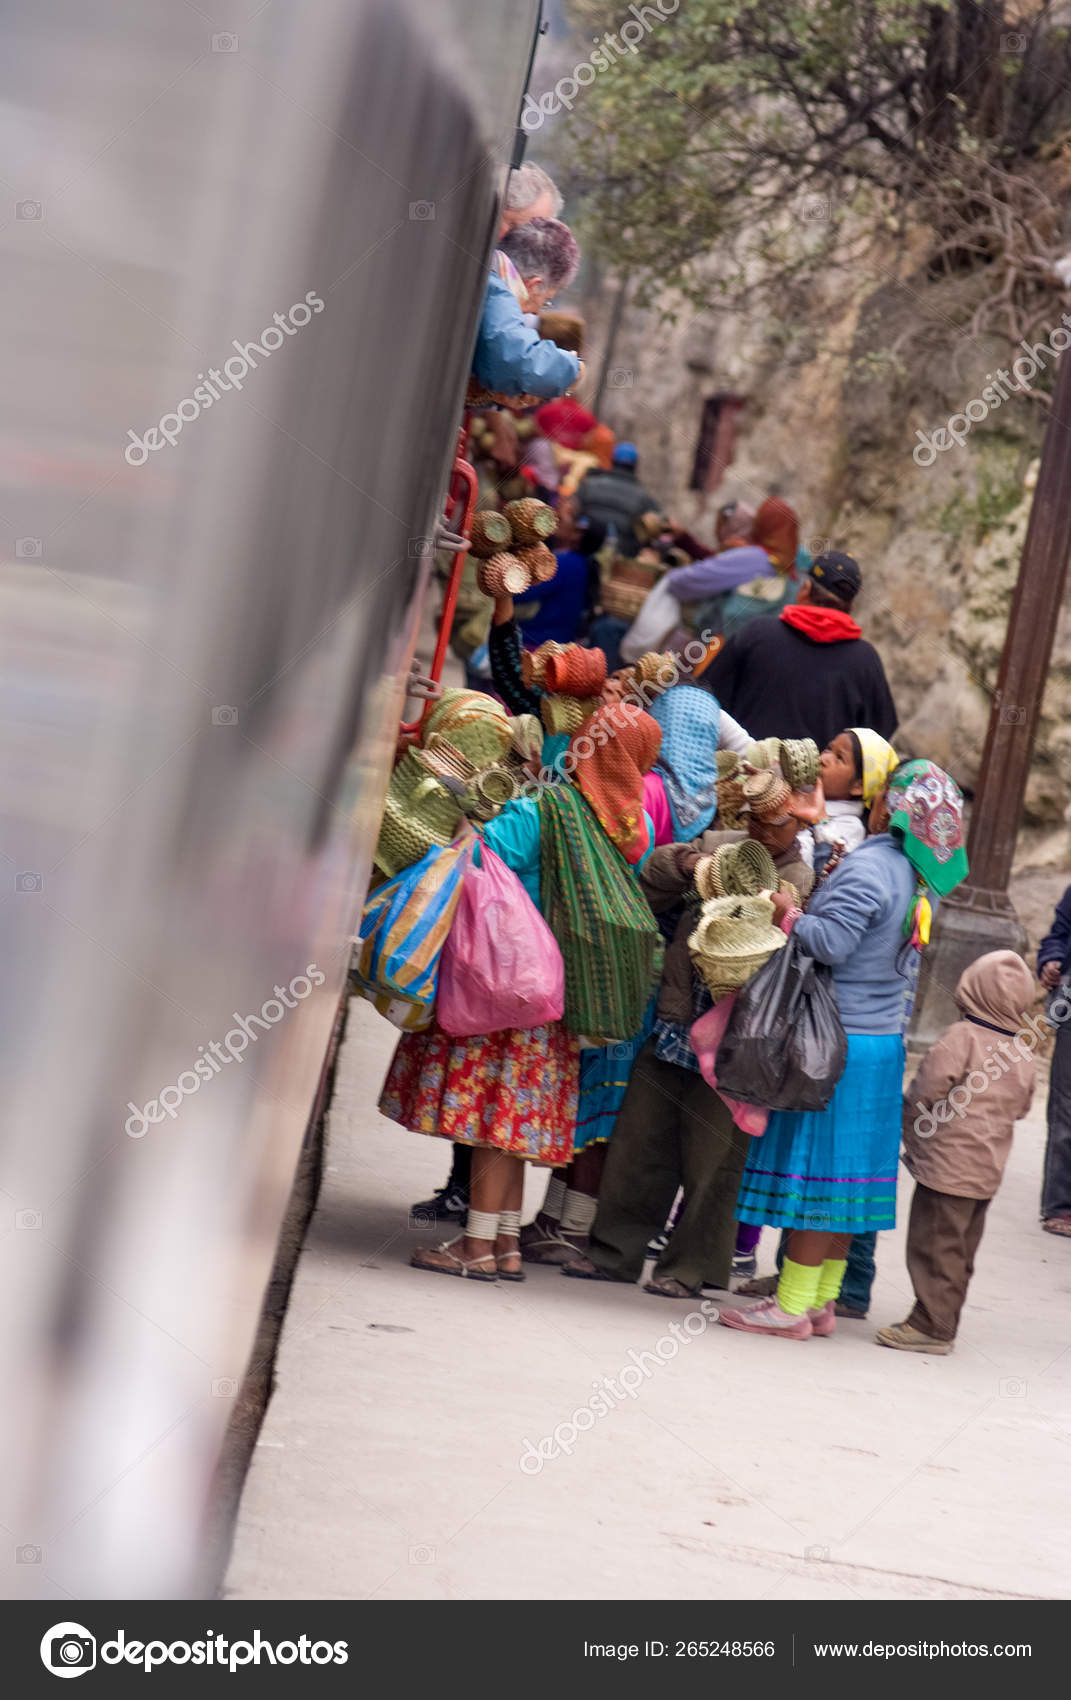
828 1175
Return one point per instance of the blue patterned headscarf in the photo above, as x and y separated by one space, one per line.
690 719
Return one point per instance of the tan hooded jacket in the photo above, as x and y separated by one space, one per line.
975 1084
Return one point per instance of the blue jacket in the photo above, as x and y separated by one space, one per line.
561 601
1056 945
855 923
511 357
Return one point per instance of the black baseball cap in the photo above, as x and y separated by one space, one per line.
838 573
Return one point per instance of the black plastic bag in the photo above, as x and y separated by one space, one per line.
784 1047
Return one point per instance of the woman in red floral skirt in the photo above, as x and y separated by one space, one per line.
512 1095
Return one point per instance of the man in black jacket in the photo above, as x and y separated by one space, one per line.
617 498
1054 972
810 673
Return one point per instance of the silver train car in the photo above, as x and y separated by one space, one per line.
242 267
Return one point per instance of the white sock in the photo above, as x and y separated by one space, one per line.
578 1212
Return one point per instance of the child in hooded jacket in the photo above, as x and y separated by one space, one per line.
959 1119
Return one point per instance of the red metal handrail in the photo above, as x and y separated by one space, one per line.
463 496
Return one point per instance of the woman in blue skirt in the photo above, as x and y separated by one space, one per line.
828 1175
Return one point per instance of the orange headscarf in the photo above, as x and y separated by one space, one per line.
777 530
610 755
600 443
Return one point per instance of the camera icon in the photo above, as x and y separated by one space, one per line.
29 209
818 1555
816 208
419 547
422 1555
421 1219
28 1555
224 1387
1015 42
422 212
621 378
28 1219
27 881
28 548
1012 1388
817 546
68 1649
1012 715
224 715
225 43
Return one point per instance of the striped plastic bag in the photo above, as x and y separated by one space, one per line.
410 1017
404 927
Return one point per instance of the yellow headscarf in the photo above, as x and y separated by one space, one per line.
879 759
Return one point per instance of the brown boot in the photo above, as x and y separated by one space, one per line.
904 1337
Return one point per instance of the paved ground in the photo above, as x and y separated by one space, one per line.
388 1464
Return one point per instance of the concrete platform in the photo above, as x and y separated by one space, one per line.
389 1462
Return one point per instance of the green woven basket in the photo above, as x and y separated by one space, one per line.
736 870
474 723
800 762
418 813
567 714
733 938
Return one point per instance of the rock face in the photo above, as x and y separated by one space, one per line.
836 391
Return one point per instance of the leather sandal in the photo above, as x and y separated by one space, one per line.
665 1287
552 1248
584 1270
440 1260
502 1257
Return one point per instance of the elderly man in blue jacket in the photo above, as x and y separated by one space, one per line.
510 357
1054 971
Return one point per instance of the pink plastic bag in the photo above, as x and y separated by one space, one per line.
500 965
705 1037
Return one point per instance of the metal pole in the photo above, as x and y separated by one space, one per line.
1024 666
980 916
611 339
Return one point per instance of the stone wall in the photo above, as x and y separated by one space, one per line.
836 391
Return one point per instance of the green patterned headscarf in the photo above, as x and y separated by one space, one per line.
926 816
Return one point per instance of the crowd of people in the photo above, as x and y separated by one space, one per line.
704 800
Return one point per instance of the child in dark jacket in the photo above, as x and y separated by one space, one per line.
959 1118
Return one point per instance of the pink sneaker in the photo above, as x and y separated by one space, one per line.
824 1320
767 1317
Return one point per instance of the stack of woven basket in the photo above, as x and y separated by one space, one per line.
734 937
736 932
511 547
736 870
463 766
572 678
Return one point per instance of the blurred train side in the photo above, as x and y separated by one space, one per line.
200 674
